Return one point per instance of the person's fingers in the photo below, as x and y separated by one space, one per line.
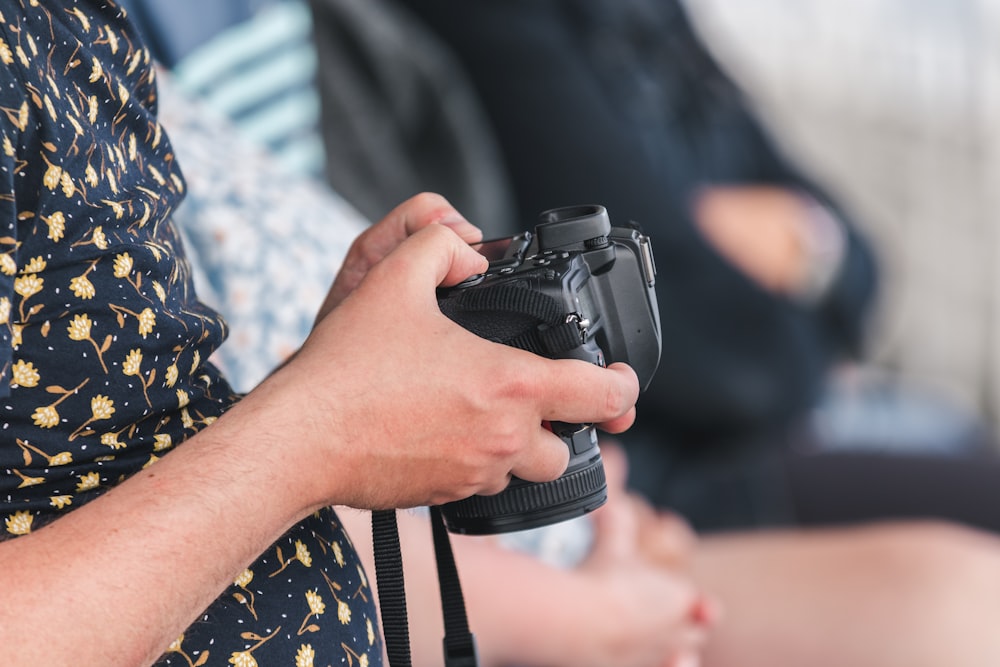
615 534
578 392
544 460
431 257
615 466
376 242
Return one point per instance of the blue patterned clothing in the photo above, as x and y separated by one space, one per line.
103 343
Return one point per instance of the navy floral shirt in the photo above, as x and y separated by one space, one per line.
103 343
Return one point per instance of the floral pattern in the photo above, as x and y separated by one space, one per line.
103 341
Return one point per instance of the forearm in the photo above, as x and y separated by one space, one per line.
121 577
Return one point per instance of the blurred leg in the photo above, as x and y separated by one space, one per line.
883 595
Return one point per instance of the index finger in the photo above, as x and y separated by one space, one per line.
576 391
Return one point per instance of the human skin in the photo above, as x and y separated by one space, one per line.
367 414
760 229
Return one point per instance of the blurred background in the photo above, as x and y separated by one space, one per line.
894 105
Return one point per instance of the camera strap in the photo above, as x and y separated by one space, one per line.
459 642
516 316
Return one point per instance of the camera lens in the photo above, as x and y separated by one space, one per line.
524 505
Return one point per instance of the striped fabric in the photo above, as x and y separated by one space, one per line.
261 75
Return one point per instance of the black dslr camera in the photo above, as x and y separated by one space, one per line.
575 288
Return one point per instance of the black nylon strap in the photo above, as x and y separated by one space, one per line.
513 299
391 591
459 642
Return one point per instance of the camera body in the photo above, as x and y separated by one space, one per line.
575 288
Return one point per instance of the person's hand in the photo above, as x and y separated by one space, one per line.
661 617
772 234
652 616
372 245
391 404
664 538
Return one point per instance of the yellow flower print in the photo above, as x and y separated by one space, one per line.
315 601
100 240
89 481
316 608
161 442
302 553
15 338
28 286
101 407
82 287
112 41
5 54
305 656
171 375
123 265
60 459
152 459
338 553
245 658
61 502
90 175
186 419
84 21
20 117
177 646
243 580
96 71
19 523
36 265
24 374
132 362
45 417
4 310
111 440
68 187
115 206
353 655
371 631
195 361
343 612
52 176
8 266
28 481
182 398
147 320
79 330
93 106
57 225
160 292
